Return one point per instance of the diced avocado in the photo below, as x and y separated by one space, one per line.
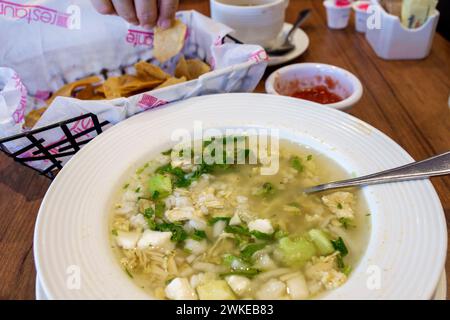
215 290
320 239
160 185
280 234
296 252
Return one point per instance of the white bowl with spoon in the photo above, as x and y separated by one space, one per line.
403 215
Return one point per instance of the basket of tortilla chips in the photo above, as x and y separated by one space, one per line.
67 82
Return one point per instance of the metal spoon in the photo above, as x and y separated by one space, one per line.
435 166
287 45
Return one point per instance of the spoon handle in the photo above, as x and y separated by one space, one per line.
434 166
302 15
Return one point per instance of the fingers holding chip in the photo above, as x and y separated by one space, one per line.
167 43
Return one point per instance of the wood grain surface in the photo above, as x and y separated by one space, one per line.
407 100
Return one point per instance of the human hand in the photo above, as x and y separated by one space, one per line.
146 13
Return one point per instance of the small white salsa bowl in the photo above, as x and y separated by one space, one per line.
285 81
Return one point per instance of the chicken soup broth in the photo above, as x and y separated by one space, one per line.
186 231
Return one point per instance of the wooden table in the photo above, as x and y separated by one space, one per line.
407 100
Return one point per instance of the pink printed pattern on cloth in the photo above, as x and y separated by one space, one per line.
218 41
42 95
144 38
260 55
19 113
34 13
139 38
148 101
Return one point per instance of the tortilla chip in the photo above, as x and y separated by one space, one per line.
111 87
89 93
33 117
100 90
148 71
182 70
171 82
127 85
68 89
168 43
196 68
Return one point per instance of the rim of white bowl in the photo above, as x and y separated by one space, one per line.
408 240
341 105
245 8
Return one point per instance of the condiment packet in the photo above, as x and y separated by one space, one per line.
393 7
416 12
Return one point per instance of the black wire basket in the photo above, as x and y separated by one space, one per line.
53 155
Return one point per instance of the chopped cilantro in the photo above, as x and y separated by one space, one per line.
160 207
296 163
249 272
249 250
181 179
212 221
280 234
345 269
266 189
346 222
238 266
198 235
167 168
178 233
155 195
129 273
148 213
237 230
261 235
148 216
340 246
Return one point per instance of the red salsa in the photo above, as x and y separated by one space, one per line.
319 94
363 6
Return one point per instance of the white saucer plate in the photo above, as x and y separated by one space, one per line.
299 39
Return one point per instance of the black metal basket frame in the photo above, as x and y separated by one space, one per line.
67 146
